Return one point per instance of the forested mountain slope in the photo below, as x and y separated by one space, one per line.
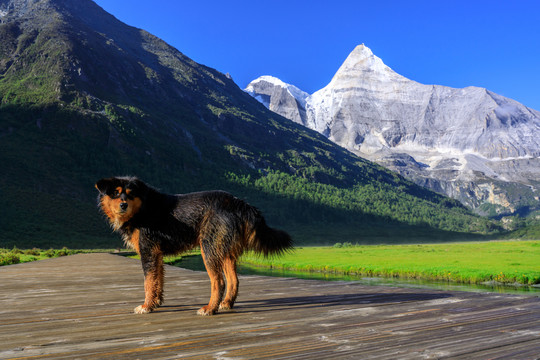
85 96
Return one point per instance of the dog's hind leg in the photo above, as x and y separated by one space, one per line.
215 272
229 267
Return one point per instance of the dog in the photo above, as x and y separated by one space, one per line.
155 224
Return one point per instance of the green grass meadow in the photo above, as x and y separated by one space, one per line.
507 262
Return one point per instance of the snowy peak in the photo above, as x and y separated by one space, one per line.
269 79
285 99
363 66
272 81
361 59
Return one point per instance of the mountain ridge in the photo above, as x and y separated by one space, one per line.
470 141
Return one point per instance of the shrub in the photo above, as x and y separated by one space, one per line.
50 253
34 252
63 252
9 258
15 250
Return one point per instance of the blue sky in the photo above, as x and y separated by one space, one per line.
493 44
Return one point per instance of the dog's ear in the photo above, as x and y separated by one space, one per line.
104 185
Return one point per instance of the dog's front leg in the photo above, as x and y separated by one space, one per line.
152 263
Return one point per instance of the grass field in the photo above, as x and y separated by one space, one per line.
506 262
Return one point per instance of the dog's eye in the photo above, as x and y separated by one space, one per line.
130 194
117 191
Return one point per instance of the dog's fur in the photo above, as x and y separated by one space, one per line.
156 224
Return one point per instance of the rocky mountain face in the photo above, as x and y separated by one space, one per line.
284 99
85 96
471 144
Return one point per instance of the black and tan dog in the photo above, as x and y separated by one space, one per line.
156 224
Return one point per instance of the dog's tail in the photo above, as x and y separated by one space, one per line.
269 241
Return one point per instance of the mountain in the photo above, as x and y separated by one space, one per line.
285 99
85 96
471 144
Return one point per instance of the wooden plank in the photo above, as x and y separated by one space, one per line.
81 307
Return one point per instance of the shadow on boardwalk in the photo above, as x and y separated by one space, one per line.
307 302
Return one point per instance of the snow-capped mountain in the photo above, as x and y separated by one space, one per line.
285 99
470 143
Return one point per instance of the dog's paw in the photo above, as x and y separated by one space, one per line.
206 311
141 309
225 305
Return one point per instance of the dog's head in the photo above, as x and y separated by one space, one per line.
120 198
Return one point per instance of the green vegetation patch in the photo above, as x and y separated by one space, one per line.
507 262
15 255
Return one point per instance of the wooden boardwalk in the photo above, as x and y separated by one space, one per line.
80 307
